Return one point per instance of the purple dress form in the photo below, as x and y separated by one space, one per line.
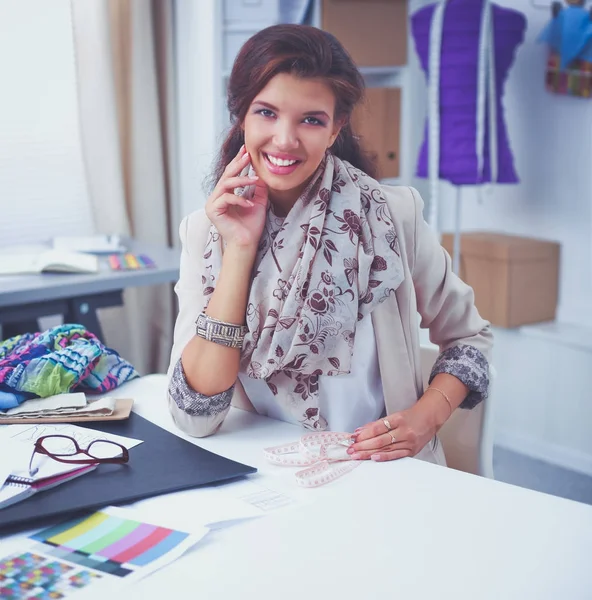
458 161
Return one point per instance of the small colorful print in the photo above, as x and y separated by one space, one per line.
31 575
130 262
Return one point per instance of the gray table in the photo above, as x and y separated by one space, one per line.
24 299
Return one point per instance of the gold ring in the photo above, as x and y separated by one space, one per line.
393 439
387 424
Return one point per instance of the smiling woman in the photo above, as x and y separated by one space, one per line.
305 275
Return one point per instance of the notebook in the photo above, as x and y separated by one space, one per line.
19 484
164 463
48 261
16 489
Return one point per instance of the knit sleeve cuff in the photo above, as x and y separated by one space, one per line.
468 365
193 403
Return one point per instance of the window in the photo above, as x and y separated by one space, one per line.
42 181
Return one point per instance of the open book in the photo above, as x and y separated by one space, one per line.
48 261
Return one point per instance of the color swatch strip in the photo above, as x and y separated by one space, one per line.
107 543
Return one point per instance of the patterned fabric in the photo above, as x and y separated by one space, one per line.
574 80
329 264
470 366
62 359
192 402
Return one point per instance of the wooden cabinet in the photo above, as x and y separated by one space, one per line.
373 31
377 122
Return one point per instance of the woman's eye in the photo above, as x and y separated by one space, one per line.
313 121
265 112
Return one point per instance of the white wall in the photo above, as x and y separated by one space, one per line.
198 73
43 189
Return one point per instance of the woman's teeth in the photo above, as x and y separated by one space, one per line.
280 162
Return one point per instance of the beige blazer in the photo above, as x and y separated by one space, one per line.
431 296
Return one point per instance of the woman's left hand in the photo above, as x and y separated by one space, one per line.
410 430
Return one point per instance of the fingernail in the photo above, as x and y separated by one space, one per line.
357 430
375 457
250 203
253 176
356 456
350 450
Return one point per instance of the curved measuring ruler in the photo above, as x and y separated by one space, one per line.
323 453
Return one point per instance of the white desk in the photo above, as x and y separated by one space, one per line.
405 529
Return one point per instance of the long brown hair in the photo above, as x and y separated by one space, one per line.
305 52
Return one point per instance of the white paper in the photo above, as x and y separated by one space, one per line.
27 435
101 582
6 462
30 433
265 494
94 244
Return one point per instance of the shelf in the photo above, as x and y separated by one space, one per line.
392 70
566 334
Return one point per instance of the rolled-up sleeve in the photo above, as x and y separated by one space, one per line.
195 413
468 365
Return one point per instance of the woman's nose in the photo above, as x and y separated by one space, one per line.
285 137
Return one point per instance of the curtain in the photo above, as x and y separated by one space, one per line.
126 89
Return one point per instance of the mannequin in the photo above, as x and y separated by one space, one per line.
458 87
466 48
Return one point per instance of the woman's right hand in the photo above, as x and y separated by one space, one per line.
239 220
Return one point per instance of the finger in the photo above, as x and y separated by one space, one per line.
383 456
237 164
398 450
223 202
261 192
228 184
377 428
380 441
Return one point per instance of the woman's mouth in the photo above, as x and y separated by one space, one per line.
280 165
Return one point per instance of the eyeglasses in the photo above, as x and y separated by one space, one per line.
65 449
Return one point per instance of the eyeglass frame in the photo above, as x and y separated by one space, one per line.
39 449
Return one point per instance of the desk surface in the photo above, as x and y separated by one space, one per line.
16 290
405 529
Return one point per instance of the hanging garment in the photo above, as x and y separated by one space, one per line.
477 41
569 65
569 35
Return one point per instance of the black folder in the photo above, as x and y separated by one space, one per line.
163 463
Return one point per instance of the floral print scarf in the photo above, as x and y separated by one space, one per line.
319 271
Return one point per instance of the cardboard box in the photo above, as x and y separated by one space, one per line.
374 32
515 279
377 122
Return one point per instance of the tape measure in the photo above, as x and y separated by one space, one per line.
324 453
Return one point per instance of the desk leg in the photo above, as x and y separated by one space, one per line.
11 329
83 310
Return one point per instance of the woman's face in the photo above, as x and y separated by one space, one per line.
288 127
